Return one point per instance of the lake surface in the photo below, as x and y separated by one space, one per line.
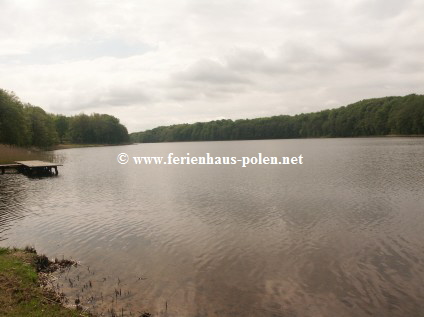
340 235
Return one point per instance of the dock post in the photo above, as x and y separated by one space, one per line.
56 171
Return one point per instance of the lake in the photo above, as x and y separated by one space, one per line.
339 235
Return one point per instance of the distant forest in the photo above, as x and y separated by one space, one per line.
371 117
28 125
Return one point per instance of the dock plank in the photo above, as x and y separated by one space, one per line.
34 164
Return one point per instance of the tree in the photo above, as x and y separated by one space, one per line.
380 116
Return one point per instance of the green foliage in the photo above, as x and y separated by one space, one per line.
41 126
372 117
62 126
27 125
97 129
13 122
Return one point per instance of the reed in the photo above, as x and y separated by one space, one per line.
11 153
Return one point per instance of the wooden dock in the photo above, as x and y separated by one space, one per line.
30 167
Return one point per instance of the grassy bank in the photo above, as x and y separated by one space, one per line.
21 293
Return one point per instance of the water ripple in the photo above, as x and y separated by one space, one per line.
339 236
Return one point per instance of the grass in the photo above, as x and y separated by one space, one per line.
20 293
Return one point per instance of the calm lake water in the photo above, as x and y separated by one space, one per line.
340 235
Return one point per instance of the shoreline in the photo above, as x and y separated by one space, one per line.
308 138
10 153
29 286
76 146
26 285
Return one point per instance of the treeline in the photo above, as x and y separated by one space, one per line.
28 125
371 117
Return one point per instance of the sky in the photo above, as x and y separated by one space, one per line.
162 62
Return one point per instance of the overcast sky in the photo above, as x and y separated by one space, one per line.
162 62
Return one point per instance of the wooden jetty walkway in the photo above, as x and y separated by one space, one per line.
29 167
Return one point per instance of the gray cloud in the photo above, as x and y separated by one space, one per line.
208 71
382 9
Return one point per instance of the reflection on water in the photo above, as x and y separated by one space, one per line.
340 235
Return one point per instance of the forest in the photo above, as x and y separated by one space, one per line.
27 125
370 117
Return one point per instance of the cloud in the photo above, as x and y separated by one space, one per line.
166 62
205 79
382 9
